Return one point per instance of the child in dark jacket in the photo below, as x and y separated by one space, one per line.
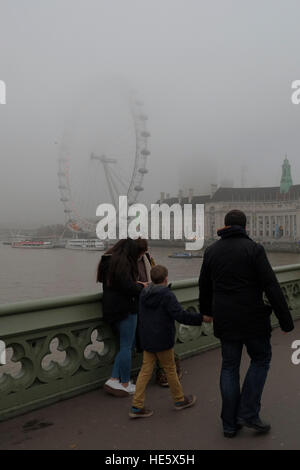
158 311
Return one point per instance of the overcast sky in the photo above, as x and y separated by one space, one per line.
215 77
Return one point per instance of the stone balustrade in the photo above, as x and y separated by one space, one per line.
58 348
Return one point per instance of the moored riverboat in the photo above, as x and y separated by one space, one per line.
32 244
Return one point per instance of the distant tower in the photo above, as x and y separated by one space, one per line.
286 177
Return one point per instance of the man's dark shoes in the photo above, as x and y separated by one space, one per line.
233 433
257 424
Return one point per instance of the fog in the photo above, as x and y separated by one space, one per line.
214 76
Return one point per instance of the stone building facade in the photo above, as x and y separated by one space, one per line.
270 214
273 213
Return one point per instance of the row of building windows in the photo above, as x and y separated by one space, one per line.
272 226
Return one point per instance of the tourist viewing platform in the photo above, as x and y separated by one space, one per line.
60 349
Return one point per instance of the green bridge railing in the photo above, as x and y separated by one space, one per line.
59 348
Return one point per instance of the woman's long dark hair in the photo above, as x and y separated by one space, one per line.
122 263
142 245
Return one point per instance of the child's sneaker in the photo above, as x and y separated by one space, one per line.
189 400
140 413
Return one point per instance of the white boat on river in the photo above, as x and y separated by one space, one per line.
88 244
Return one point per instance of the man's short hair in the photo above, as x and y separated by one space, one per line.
158 274
236 217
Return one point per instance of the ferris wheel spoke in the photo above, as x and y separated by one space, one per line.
115 192
121 180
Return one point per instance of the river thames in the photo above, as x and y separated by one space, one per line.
27 274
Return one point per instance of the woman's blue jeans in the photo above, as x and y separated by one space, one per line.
122 364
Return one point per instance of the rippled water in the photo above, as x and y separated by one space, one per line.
27 274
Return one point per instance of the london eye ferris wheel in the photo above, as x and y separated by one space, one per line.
103 175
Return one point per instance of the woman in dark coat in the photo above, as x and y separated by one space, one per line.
118 272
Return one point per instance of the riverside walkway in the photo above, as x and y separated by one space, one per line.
95 420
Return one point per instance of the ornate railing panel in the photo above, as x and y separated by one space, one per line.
58 348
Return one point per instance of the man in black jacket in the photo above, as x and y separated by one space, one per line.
234 276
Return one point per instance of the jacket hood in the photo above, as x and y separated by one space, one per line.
232 231
153 294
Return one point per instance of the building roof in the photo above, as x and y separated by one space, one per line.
196 199
185 200
269 194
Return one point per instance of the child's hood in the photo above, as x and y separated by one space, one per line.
153 294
